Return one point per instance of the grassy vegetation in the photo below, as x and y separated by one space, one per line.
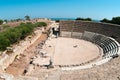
1 21
4 26
13 35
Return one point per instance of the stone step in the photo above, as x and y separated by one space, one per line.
25 78
54 76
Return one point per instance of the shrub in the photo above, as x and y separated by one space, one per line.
27 17
57 20
84 19
5 26
22 23
13 35
1 21
4 42
115 20
105 20
41 24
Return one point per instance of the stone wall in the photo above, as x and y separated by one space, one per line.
110 30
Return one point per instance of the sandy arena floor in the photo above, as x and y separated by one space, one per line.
69 51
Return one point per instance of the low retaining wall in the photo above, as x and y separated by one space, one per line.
86 66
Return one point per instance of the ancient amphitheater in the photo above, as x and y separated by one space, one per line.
71 50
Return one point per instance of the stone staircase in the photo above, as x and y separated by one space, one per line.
25 78
41 74
37 75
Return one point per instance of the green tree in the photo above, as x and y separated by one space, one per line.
13 35
18 19
115 20
12 20
5 26
88 19
84 19
27 17
57 20
4 42
6 20
105 20
1 21
22 23
78 18
41 24
44 24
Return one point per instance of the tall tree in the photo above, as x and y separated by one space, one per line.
18 19
105 20
88 19
84 19
27 17
1 21
116 20
79 18
6 20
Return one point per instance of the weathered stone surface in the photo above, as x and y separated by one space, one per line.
81 26
25 78
5 76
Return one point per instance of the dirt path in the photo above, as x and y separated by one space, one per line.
18 66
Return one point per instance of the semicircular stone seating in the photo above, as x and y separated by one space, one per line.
111 48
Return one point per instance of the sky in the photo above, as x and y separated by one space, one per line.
95 9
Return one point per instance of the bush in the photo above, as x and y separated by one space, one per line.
1 21
115 20
29 23
84 19
25 30
13 35
22 23
27 17
57 20
41 24
5 26
105 20
4 42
